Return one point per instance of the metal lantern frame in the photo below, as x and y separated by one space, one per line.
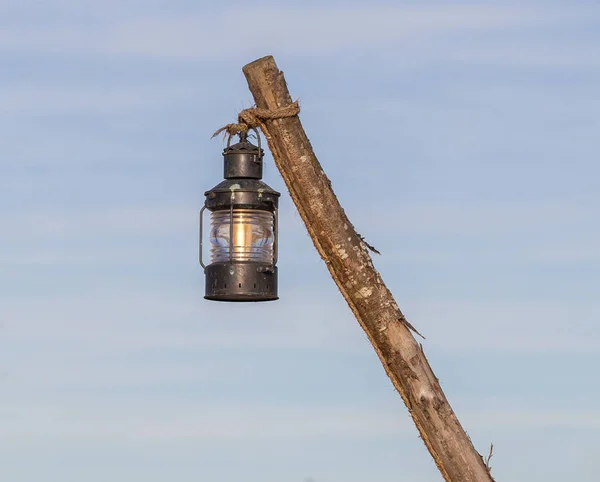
242 189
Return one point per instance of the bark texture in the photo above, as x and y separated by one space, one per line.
349 262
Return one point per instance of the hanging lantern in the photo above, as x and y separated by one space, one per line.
243 235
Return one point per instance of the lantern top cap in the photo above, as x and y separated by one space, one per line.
243 147
244 159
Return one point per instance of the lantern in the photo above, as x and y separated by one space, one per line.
243 234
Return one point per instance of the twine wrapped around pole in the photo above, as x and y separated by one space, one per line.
254 117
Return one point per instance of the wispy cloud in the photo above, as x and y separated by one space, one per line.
42 99
565 419
127 421
77 221
320 31
139 321
489 218
525 232
523 327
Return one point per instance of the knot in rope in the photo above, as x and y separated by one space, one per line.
254 117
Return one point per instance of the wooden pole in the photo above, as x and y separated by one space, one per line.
349 262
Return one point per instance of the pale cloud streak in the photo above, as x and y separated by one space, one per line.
134 321
126 420
74 221
36 99
308 31
533 327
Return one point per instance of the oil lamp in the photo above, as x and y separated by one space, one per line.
243 234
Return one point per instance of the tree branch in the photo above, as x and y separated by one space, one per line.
352 269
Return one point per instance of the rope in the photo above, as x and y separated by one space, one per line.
254 117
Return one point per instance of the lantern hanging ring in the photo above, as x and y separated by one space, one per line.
244 138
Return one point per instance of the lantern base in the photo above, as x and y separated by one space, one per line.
241 281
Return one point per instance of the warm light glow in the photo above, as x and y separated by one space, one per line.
242 234
252 236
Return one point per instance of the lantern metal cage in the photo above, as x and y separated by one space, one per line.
244 228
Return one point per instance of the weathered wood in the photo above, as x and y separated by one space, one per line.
350 265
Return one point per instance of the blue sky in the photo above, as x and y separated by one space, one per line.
462 140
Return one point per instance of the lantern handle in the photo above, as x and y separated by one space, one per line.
231 227
275 235
246 133
201 236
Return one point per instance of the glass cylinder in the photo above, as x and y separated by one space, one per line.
252 236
